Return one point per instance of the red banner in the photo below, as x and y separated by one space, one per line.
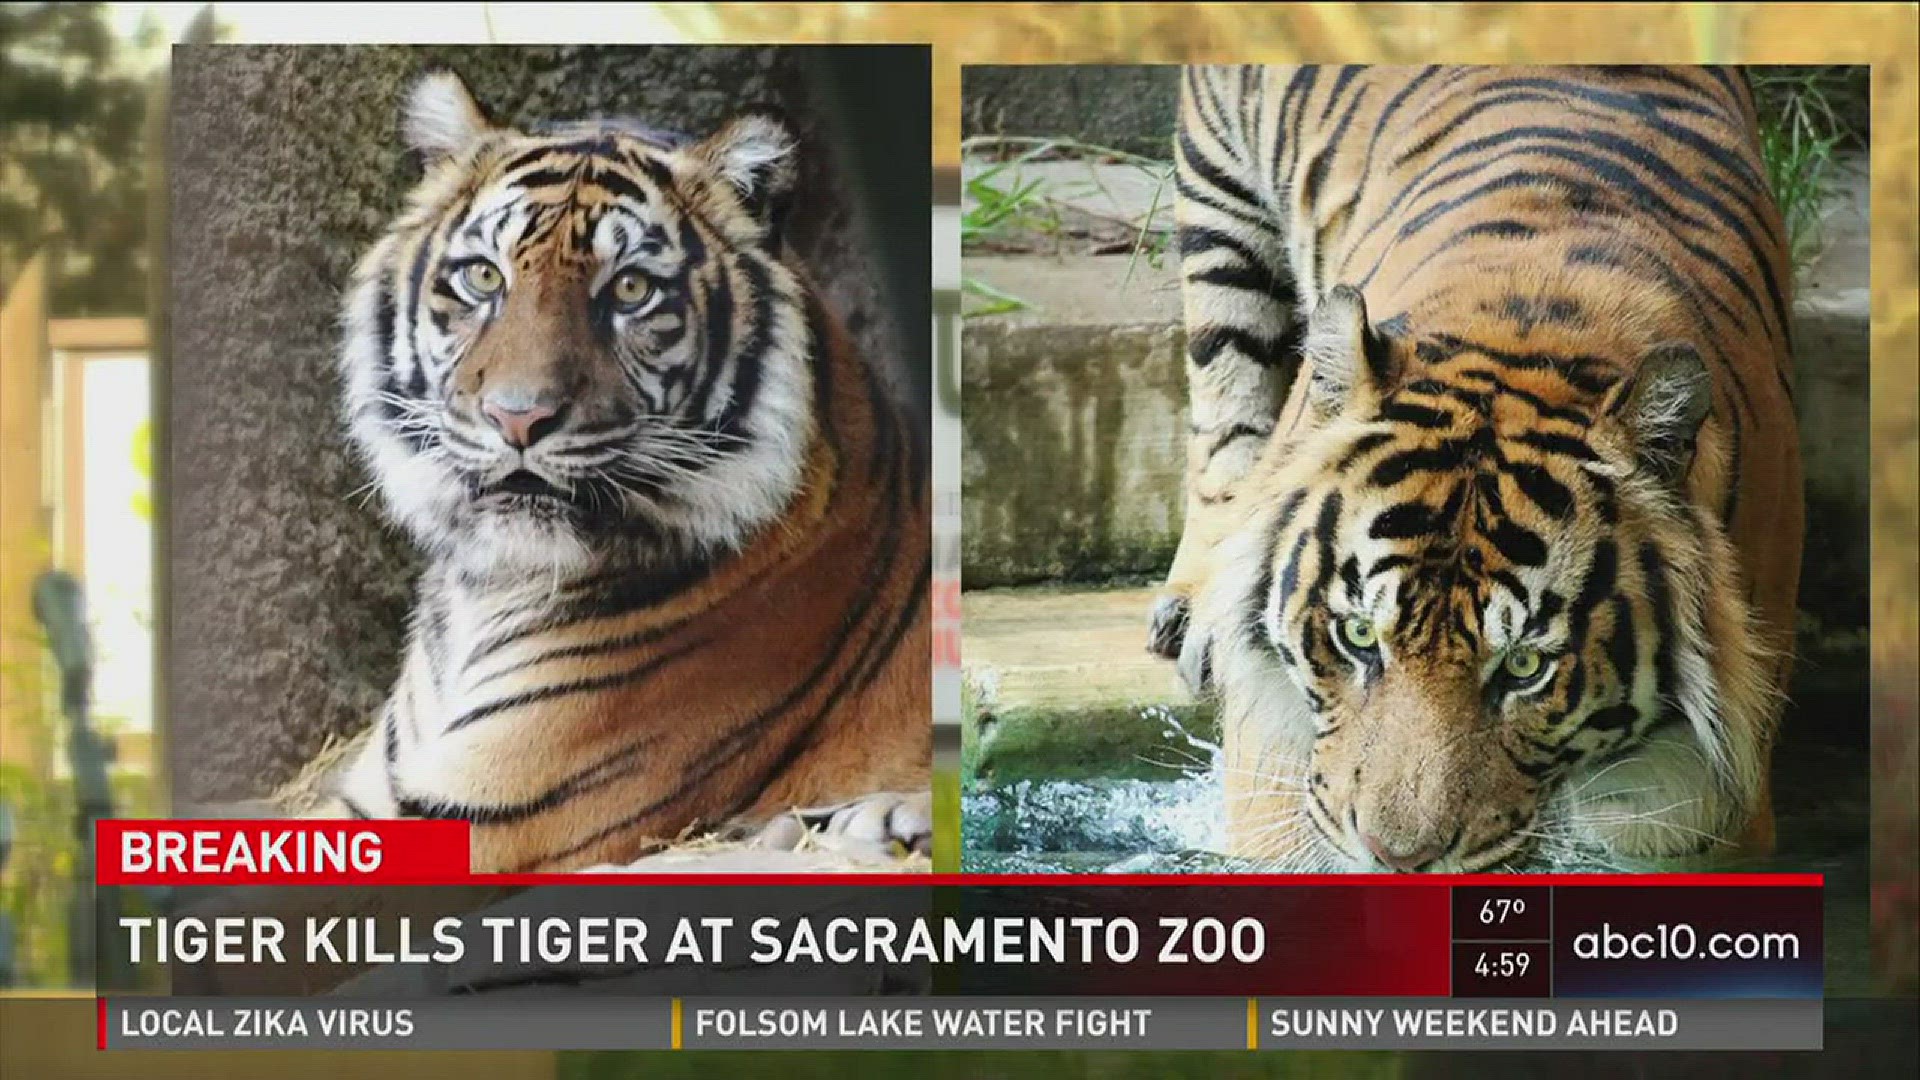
159 852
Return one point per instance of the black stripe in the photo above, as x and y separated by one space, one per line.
1477 104
1420 416
1340 81
1395 468
1653 569
1254 605
1614 718
1209 342
602 647
1518 545
1185 189
1381 126
1201 104
1239 276
1193 240
751 357
1545 609
1538 485
598 597
547 178
1405 521
1290 574
905 621
1621 181
1196 163
1317 171
1235 434
1362 446
1548 411
748 355
1294 100
1598 585
1588 374
619 184
718 299
605 771
1622 647
592 684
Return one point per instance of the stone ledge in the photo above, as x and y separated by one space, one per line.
1060 686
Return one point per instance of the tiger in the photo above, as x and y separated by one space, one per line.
676 531
1493 491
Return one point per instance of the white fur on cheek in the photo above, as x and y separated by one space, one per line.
718 508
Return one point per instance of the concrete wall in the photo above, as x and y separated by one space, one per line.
287 594
1128 107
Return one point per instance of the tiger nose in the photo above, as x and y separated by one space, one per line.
521 421
1398 862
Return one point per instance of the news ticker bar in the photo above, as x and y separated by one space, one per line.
589 1022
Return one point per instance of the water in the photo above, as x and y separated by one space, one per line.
1100 825
1037 826
1174 826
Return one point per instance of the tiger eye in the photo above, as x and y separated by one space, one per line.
631 289
482 277
1360 633
1523 663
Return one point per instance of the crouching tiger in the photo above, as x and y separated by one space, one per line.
1494 498
676 528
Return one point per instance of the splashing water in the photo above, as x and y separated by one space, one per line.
1167 826
1117 825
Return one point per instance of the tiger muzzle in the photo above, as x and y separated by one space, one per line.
1431 788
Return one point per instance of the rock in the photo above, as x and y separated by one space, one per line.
1062 687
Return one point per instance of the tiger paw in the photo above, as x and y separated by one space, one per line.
891 821
1167 625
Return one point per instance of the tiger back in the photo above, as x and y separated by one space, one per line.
678 537
1494 496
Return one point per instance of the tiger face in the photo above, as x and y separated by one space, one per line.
581 340
1469 621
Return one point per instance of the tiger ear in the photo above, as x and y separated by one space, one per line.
754 153
441 117
1345 358
1662 405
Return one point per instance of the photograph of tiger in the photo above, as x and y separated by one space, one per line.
670 513
1491 538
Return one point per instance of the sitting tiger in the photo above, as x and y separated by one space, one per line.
677 532
1494 498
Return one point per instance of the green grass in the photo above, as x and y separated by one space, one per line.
1807 115
1006 206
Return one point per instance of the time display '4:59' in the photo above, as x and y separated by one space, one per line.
1502 964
